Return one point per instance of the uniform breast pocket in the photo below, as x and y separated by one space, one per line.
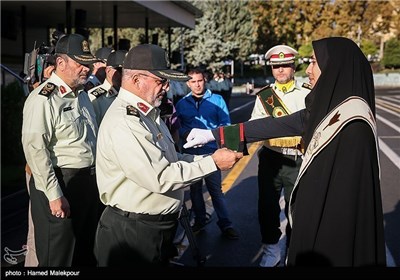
160 142
70 122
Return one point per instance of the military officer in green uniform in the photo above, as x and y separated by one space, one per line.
140 175
103 95
59 141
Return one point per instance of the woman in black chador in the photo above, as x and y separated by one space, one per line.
335 207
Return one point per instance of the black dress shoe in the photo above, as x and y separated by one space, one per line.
230 233
197 227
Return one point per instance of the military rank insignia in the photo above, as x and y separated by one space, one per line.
63 89
98 92
132 111
48 89
143 107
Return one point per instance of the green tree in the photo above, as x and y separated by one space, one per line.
369 48
309 16
224 31
391 58
235 29
299 22
304 52
274 21
378 18
395 21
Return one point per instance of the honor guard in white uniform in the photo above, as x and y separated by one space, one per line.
59 141
103 95
140 175
279 158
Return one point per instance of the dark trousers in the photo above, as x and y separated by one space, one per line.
213 184
68 241
275 171
134 242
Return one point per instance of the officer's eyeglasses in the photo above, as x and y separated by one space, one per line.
161 81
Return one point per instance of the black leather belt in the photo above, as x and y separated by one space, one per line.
146 217
91 170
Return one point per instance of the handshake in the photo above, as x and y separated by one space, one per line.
223 158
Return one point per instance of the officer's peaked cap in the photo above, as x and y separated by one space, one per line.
280 54
154 59
103 53
76 47
116 58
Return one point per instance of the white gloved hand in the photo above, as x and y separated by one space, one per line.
198 137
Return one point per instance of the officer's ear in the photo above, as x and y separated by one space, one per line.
61 62
135 78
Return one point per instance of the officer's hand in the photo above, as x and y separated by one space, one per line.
48 71
225 158
97 66
60 207
198 137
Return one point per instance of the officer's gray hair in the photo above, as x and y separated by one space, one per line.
61 55
128 74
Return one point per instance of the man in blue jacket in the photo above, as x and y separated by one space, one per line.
200 108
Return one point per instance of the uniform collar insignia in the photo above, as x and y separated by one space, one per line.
143 107
63 89
132 111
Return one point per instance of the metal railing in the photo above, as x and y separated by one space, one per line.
5 70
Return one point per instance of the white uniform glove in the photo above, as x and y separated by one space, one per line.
198 137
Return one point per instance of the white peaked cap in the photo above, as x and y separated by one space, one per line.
280 54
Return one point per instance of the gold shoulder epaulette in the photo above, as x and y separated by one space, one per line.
284 142
132 111
307 86
48 89
98 92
